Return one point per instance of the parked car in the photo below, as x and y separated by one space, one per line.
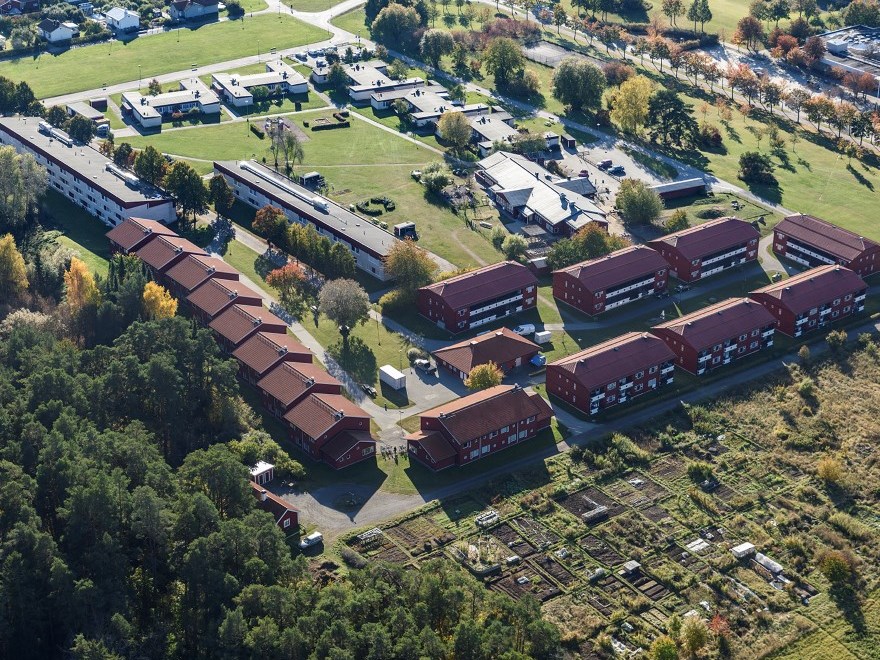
424 366
617 170
604 164
584 173
312 539
300 56
314 52
525 329
539 360
369 389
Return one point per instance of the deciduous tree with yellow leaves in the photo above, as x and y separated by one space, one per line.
13 275
80 289
158 303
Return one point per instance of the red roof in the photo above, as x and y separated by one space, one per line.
712 236
317 413
836 241
344 442
499 346
272 504
806 290
240 321
613 359
194 269
477 414
616 268
131 233
434 444
714 324
264 350
289 381
162 250
216 295
483 284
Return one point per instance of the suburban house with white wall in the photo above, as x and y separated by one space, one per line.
151 111
121 20
279 78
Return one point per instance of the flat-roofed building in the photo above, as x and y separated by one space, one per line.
278 79
257 185
151 111
707 249
366 78
812 242
813 299
612 372
611 281
717 335
84 176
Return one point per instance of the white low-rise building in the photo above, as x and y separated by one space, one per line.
279 78
257 185
56 31
85 176
122 20
151 111
367 78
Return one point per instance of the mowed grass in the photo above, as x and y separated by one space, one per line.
91 67
79 231
311 5
359 162
353 21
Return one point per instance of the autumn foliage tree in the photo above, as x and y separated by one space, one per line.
290 281
409 265
13 274
484 376
158 303
80 288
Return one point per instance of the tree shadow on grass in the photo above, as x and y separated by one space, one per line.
784 160
859 177
770 193
269 261
357 359
847 601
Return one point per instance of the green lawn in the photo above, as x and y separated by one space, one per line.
253 5
245 261
353 21
359 162
79 231
723 203
93 66
311 5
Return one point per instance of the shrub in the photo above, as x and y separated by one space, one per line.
710 214
415 353
259 132
397 300
829 470
352 559
699 471
710 136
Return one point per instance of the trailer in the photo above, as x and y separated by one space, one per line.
392 377
543 337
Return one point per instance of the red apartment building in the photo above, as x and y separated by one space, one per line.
813 299
813 242
216 296
193 270
602 284
612 372
239 322
162 252
332 429
133 233
290 382
473 427
716 335
503 347
698 252
261 353
479 297
286 517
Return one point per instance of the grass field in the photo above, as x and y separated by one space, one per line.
91 67
358 162
311 5
79 231
351 21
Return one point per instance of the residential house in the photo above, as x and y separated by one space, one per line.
56 31
813 299
122 21
19 7
290 382
279 78
527 192
478 425
503 347
332 429
698 252
490 130
716 335
84 176
216 296
163 252
608 282
193 270
256 185
261 353
193 10
133 233
150 111
286 516
239 322
612 372
812 242
479 296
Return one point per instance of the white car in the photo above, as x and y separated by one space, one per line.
525 329
312 539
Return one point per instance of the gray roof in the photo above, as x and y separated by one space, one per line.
352 228
492 129
88 163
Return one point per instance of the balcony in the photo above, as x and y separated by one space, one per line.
597 397
625 386
800 322
860 298
703 359
496 304
667 370
726 255
804 250
767 333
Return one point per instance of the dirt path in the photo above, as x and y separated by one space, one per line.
473 255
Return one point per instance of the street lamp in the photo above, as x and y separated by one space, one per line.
378 337
139 77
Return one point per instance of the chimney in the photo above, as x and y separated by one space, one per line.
263 495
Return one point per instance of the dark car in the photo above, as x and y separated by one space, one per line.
617 170
369 389
604 164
